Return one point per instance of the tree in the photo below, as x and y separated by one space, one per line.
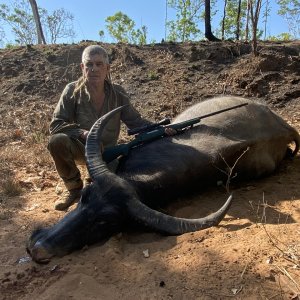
20 20
266 15
36 16
255 7
233 22
59 25
223 20
166 19
187 16
247 21
238 21
121 28
140 35
2 36
208 33
101 34
290 10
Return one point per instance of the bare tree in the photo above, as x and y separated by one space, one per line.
36 16
208 33
58 25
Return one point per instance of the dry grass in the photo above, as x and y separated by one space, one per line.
11 187
286 260
20 154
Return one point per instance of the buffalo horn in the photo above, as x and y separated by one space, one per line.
173 225
96 166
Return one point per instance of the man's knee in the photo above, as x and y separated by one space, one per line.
58 141
63 147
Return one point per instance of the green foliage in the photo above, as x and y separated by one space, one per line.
140 36
121 28
290 11
152 75
285 36
101 34
19 19
10 46
188 15
230 22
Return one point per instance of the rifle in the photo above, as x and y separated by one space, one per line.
148 133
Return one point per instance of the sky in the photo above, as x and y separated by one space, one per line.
90 15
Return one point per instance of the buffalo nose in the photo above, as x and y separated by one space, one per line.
39 253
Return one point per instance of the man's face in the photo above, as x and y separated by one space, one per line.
94 69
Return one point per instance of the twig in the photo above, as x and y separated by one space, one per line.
286 273
229 171
244 270
277 247
264 205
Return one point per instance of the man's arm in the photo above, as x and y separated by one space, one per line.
63 120
129 115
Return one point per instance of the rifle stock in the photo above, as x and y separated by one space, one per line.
114 152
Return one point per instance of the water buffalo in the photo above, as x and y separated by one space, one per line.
166 168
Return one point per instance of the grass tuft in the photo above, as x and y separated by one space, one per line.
11 187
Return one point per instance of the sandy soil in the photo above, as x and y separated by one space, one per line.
253 254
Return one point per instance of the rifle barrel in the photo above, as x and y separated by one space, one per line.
223 110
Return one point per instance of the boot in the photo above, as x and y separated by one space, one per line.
68 199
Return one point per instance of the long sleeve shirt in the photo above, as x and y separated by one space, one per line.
74 114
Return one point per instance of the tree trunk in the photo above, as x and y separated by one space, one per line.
166 20
36 16
266 18
254 11
238 20
247 22
223 21
208 34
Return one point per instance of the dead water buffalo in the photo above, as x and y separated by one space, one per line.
165 169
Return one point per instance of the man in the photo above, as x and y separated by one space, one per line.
80 105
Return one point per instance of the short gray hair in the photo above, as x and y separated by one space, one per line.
95 50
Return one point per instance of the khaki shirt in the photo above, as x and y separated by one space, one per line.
72 114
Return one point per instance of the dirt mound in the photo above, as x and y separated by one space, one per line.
254 254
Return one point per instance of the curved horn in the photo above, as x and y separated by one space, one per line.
95 164
173 225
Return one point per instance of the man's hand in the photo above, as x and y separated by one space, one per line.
84 135
170 131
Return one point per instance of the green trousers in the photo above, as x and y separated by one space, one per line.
67 153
